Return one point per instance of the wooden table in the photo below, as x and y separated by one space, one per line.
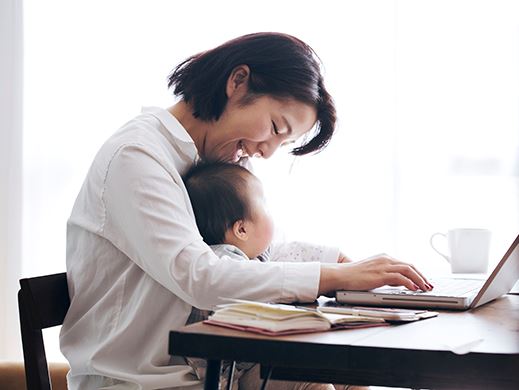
414 355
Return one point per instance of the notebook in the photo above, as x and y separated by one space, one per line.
274 319
449 293
278 319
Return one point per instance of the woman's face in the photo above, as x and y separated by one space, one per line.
258 128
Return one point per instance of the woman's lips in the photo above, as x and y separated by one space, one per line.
239 152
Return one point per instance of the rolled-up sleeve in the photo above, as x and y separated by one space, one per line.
301 281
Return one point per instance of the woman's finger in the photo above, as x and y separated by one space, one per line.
409 272
422 276
398 279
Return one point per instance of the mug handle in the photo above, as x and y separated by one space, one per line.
431 241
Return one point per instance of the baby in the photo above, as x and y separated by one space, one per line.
232 217
230 209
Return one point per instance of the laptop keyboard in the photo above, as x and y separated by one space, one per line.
450 287
445 287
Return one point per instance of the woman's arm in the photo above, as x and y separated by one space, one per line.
340 272
147 218
370 273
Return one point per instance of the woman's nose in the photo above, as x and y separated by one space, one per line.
268 148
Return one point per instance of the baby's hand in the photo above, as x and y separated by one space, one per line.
343 258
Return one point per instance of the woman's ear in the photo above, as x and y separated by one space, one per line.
237 80
240 230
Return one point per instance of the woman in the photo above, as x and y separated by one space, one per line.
136 264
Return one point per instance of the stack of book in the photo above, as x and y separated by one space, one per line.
279 319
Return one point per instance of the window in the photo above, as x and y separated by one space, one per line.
427 96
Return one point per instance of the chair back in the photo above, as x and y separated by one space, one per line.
43 302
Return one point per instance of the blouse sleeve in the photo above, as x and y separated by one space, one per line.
149 218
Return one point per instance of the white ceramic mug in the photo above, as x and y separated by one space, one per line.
468 249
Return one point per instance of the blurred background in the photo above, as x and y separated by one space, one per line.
427 94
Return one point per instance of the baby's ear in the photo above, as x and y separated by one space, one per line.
239 229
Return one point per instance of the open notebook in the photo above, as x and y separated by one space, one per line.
279 319
448 293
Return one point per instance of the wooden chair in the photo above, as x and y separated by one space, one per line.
42 303
12 375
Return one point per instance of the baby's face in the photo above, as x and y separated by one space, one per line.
260 225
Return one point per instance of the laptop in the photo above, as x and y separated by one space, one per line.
449 293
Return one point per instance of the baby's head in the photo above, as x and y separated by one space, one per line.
229 206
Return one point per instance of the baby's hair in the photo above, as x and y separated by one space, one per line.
218 194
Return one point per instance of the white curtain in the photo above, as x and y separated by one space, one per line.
426 91
11 69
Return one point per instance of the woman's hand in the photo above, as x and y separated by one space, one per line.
373 272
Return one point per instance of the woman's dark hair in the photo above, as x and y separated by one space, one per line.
281 66
218 194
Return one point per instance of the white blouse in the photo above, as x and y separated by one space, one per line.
136 263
